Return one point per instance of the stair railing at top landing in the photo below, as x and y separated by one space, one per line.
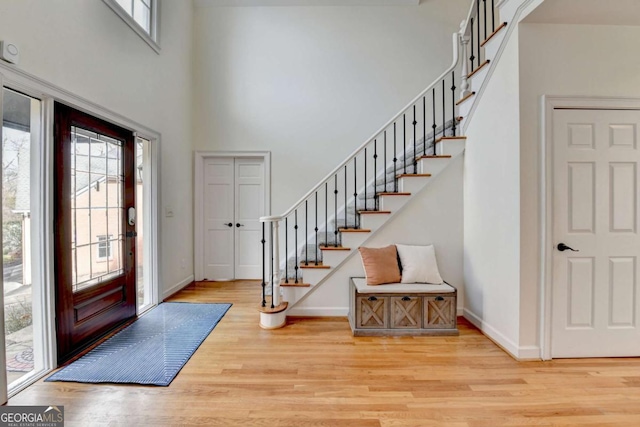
354 185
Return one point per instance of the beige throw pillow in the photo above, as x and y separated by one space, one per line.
380 265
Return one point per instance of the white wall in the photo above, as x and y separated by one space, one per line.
577 60
310 84
492 206
433 216
85 48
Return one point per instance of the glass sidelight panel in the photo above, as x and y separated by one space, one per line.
97 208
22 290
143 178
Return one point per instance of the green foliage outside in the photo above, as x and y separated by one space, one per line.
11 240
17 316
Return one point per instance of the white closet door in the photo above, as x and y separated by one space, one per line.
595 297
219 222
249 207
234 201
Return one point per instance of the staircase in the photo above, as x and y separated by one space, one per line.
324 229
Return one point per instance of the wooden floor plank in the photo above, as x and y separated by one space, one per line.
314 372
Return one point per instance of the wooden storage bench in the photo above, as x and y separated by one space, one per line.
402 309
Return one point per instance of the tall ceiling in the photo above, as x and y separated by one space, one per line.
589 12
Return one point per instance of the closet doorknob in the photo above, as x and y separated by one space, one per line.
562 247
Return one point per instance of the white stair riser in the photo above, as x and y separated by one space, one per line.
507 11
413 184
370 204
432 166
314 275
474 86
392 203
353 240
334 257
293 294
476 80
492 46
465 107
450 147
372 221
461 122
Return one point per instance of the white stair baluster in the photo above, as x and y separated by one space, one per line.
464 40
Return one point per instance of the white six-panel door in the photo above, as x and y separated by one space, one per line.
249 207
234 200
218 218
595 292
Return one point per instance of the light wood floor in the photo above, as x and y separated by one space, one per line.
314 373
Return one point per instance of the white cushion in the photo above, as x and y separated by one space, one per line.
419 264
401 288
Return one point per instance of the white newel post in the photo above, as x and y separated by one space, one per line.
464 40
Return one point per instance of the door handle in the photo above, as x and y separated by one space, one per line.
229 224
562 247
131 216
239 225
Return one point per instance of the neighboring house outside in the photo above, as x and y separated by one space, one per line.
96 210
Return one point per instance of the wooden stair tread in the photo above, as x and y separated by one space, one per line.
354 230
504 24
313 265
442 156
450 138
409 175
373 212
277 309
334 248
464 98
293 284
486 62
394 194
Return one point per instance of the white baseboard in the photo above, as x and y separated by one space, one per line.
529 352
177 287
318 311
460 311
518 353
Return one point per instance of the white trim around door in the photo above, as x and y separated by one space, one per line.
199 158
3 357
548 105
35 87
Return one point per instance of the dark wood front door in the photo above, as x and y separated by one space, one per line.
94 177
